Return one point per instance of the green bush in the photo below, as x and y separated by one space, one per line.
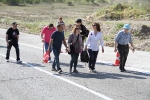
119 25
12 2
69 3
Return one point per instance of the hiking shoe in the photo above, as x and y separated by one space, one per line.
124 70
7 60
49 61
53 69
94 71
19 61
59 71
75 71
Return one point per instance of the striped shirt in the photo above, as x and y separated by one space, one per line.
123 38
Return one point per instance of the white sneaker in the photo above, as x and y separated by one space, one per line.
90 70
49 61
7 60
19 61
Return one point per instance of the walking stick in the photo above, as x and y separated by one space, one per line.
43 52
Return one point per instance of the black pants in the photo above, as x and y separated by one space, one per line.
15 44
83 39
123 51
93 57
74 60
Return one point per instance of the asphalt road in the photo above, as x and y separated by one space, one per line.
33 80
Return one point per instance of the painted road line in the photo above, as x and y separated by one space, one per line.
128 68
98 61
138 70
66 80
104 62
33 46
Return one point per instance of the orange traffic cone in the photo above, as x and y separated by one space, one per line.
117 62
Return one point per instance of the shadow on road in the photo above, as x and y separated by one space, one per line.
137 73
3 46
33 65
28 64
105 75
67 64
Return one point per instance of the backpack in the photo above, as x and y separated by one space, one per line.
84 57
85 31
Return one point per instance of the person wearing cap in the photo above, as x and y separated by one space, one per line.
12 38
94 40
122 39
46 35
61 22
75 39
83 30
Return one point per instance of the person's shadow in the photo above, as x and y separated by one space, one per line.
67 65
103 75
2 46
27 64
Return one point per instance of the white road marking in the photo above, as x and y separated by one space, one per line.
98 61
66 80
128 68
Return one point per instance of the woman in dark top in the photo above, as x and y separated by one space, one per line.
75 39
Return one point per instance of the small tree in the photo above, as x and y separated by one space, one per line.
12 2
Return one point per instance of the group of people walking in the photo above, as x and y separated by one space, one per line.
53 38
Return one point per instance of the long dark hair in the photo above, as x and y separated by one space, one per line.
97 26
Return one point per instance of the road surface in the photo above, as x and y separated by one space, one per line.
33 80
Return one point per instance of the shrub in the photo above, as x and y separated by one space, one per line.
119 25
12 2
69 3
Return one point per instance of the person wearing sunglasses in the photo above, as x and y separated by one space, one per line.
75 39
121 44
92 45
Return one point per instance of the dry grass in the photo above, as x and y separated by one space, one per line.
126 10
32 18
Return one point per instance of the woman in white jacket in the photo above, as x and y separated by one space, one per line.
92 45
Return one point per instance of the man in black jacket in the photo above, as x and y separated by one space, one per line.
83 30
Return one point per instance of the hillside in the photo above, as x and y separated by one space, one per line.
111 14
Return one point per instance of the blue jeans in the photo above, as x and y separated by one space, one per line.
46 48
93 57
56 59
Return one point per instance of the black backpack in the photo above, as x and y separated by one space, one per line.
84 57
85 31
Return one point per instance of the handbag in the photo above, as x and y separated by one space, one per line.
72 48
46 57
84 57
